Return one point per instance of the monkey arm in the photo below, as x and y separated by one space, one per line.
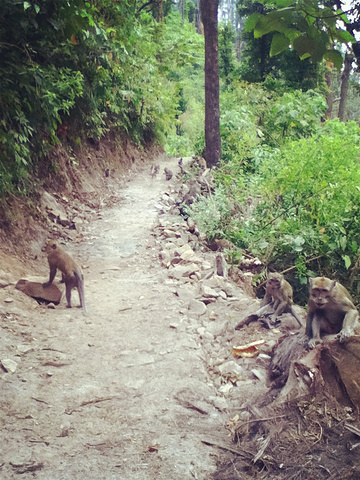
266 300
52 276
313 324
349 323
308 326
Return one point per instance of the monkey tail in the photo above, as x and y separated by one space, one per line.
80 282
294 314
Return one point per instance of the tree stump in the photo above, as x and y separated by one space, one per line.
331 368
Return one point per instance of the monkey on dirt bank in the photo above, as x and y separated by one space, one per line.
278 300
71 272
330 311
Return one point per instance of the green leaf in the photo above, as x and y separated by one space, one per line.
334 57
343 36
273 21
279 43
303 44
27 5
347 261
252 21
315 47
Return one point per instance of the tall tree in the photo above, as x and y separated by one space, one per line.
345 78
209 14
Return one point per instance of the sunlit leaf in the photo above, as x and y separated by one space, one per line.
347 261
252 21
344 36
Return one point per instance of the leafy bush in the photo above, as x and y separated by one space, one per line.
90 67
310 203
293 115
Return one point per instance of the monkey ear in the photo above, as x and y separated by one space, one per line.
333 285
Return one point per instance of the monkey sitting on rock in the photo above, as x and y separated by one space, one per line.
278 299
330 311
71 272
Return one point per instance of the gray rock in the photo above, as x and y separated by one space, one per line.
197 307
232 371
9 365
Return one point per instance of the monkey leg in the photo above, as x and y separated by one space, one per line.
294 314
68 296
280 307
70 282
246 321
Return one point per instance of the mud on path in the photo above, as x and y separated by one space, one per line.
124 393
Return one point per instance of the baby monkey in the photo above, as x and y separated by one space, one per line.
279 293
278 300
71 272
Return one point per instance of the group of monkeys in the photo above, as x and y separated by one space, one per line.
330 307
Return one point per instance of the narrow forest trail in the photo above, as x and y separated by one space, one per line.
123 393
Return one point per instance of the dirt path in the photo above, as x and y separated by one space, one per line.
127 395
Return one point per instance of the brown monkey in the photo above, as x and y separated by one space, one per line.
330 311
278 299
168 173
71 272
154 170
279 292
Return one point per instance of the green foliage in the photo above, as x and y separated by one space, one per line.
309 205
226 52
212 213
310 28
71 69
293 115
282 72
239 131
304 208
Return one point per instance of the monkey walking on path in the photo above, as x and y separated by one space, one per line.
330 311
71 272
278 300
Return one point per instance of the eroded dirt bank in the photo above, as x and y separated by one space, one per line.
146 387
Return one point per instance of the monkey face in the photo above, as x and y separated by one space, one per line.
273 284
320 297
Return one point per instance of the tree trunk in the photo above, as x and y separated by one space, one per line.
160 11
345 85
209 13
330 93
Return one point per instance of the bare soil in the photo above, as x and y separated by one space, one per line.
143 387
